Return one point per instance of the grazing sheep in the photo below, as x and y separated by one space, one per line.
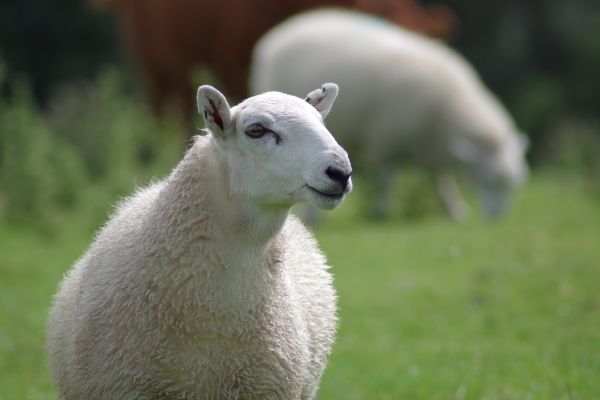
406 98
203 286
162 37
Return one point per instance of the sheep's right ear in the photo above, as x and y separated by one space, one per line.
322 99
215 109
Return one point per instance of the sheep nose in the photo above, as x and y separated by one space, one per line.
338 176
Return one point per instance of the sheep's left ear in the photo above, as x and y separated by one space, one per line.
215 109
322 99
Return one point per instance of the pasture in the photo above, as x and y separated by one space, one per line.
429 309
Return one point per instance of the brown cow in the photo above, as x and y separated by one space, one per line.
169 39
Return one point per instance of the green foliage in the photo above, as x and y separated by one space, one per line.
575 145
536 100
415 196
94 140
113 132
38 173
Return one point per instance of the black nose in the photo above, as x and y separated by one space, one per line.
337 175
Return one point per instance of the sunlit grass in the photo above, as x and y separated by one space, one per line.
502 310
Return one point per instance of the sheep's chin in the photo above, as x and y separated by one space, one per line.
325 202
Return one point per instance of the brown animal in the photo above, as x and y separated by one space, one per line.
435 20
169 39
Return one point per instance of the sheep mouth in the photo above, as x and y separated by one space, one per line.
330 195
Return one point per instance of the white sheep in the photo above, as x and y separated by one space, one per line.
203 286
406 98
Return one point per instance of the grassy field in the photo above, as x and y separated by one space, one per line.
429 309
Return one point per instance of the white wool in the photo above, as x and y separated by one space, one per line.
405 97
184 295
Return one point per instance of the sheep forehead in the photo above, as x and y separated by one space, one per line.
282 109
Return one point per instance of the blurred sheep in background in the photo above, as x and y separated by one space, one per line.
165 37
405 98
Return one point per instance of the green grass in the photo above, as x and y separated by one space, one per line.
429 309
504 310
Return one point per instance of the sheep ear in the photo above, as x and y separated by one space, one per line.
215 109
322 99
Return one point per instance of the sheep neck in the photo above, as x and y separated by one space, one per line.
244 237
242 220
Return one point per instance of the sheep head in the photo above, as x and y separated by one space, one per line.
495 171
277 149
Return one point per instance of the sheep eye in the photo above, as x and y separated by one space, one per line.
256 131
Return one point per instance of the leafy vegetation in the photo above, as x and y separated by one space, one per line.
93 144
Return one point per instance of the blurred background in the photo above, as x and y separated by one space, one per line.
97 98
